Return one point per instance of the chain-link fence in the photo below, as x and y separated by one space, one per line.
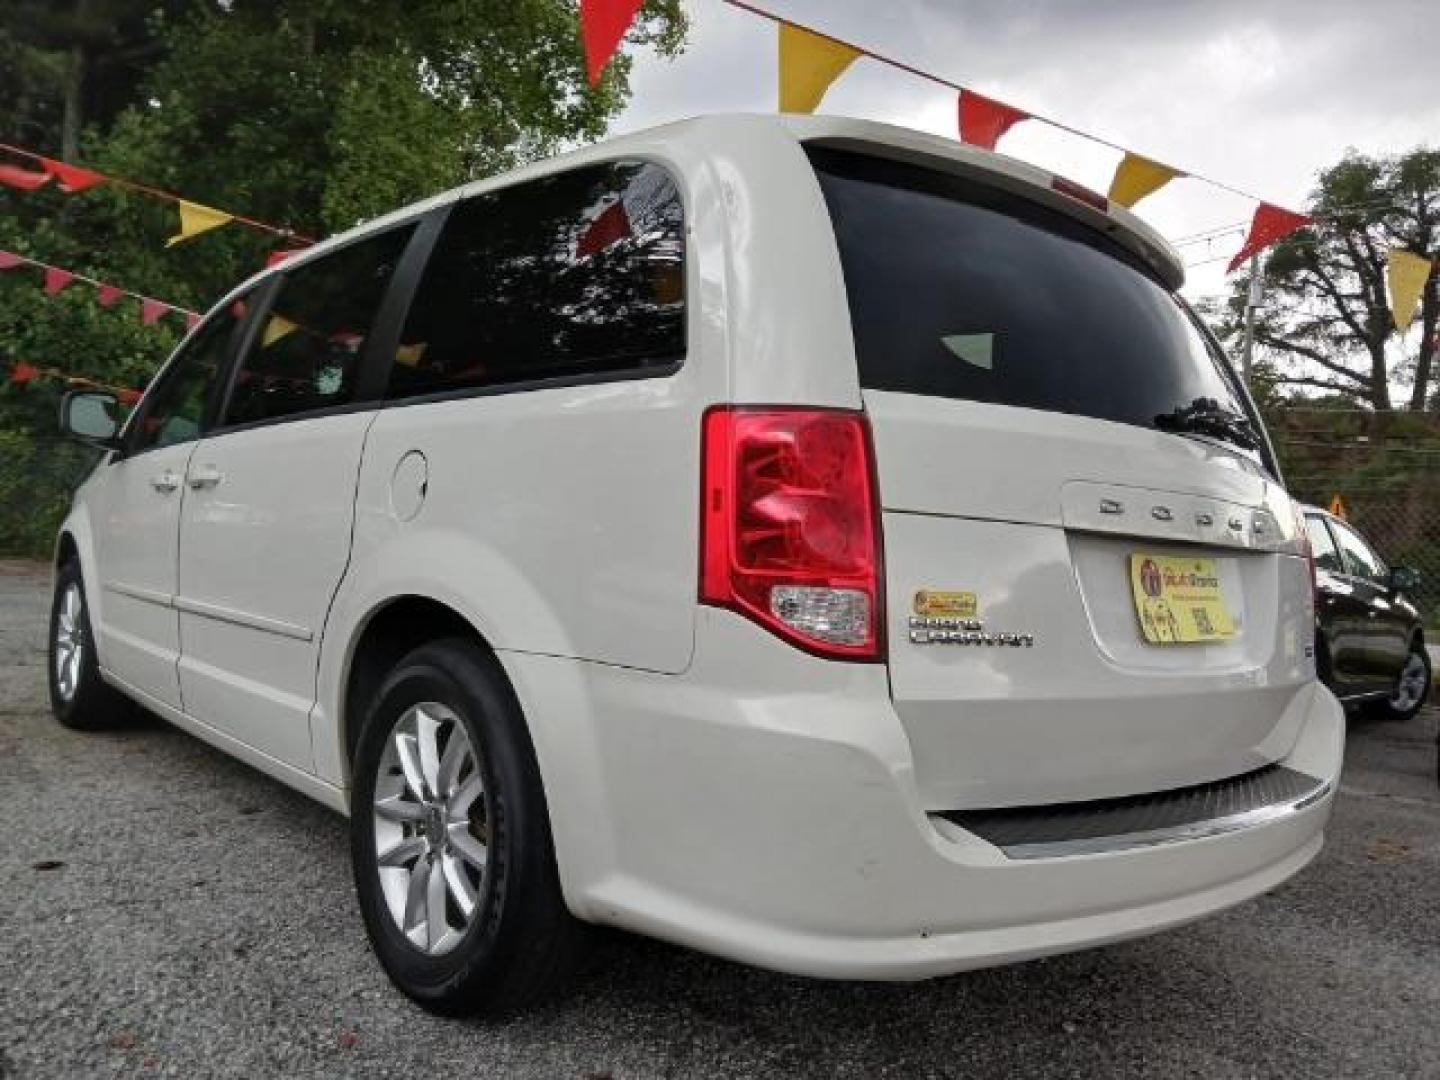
1380 472
37 478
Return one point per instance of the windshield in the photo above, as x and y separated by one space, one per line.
960 290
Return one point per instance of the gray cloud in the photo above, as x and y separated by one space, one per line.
1260 95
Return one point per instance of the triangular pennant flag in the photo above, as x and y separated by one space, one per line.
1270 224
1136 177
196 219
16 177
1406 275
983 120
610 226
56 279
9 260
151 310
277 328
192 320
109 294
128 396
72 178
275 258
809 63
603 23
22 372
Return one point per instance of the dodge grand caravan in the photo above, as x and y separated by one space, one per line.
806 540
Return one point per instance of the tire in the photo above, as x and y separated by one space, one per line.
79 697
486 842
1412 686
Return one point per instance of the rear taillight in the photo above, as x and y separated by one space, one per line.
790 527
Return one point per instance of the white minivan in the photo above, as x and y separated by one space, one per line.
803 539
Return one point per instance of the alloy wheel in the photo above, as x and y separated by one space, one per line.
69 642
1410 689
431 821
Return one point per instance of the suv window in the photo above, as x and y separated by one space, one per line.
309 352
575 274
1322 546
961 290
174 411
1360 560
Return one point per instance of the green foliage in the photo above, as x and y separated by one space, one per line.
310 114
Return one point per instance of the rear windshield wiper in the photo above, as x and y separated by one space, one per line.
1206 416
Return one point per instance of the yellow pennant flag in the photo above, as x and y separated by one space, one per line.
277 328
1406 276
1137 177
195 219
809 63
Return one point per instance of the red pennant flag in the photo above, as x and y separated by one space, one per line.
127 396
22 373
277 257
16 177
983 120
72 178
602 24
109 294
56 279
9 260
151 310
1271 224
192 320
610 226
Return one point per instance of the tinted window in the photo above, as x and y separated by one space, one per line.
1360 561
1322 546
175 410
308 354
580 273
960 290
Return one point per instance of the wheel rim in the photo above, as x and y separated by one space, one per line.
431 819
69 641
1410 690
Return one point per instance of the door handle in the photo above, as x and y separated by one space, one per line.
206 476
165 482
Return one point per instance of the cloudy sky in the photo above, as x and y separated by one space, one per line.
1258 94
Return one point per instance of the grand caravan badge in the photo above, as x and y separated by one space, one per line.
944 617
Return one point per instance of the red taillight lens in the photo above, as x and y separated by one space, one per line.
790 528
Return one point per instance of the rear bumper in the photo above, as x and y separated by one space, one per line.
785 830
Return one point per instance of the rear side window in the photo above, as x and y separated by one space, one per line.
1360 560
960 290
577 274
1322 546
308 354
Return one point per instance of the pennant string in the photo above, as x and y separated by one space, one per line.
109 294
960 88
82 178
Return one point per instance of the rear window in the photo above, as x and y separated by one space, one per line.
960 290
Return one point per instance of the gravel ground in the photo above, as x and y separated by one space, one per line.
166 911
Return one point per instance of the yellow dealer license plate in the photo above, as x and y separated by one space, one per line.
1178 600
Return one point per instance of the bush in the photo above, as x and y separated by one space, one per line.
37 478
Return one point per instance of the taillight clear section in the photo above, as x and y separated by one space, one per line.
790 526
1302 542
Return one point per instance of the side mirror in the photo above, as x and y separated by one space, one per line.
92 416
1404 579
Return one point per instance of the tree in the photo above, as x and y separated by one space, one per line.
310 114
1325 322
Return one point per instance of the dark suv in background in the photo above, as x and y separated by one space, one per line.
1370 647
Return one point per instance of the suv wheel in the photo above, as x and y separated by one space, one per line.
450 839
79 697
1412 687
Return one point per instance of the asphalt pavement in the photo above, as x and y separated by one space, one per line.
166 911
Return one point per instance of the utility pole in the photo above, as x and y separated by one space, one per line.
1252 301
